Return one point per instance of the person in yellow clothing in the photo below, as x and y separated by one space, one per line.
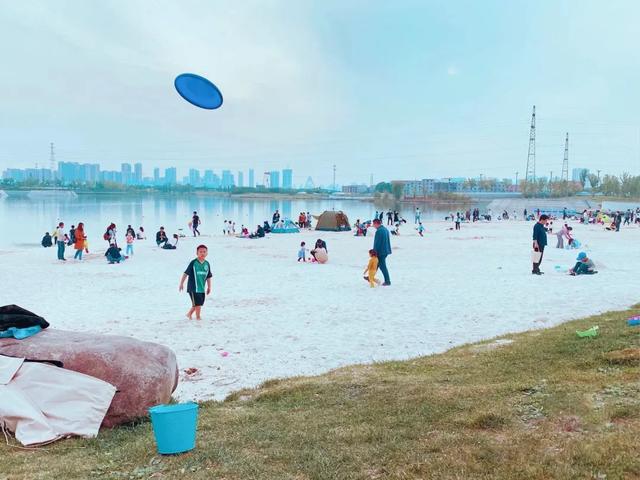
372 268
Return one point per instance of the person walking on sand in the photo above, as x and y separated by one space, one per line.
371 269
302 253
539 242
382 246
199 273
195 223
79 243
62 240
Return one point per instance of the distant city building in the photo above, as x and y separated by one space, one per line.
227 179
137 174
309 185
194 177
287 178
252 183
240 179
156 176
274 179
125 170
171 176
355 189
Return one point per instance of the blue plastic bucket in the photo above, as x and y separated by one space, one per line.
174 427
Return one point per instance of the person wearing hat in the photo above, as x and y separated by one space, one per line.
584 266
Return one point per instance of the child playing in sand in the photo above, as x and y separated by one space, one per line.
371 269
420 229
302 253
584 266
198 272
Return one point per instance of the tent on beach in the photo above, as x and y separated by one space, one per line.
332 221
287 226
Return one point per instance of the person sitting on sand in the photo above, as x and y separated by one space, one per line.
266 228
47 240
259 233
319 244
584 266
420 229
141 235
161 237
168 246
113 254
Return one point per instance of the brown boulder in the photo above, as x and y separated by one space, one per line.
144 373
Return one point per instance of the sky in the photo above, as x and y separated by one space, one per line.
394 90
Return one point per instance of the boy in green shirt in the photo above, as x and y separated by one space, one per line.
199 273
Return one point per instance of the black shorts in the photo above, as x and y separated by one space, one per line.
197 299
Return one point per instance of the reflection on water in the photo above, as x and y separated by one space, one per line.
25 220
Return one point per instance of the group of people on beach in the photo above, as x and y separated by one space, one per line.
583 266
77 237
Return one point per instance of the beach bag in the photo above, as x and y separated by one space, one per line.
536 257
106 236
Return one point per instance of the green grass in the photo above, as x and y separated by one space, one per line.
548 405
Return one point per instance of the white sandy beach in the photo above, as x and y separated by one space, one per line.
277 318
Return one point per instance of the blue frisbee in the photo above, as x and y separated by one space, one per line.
198 91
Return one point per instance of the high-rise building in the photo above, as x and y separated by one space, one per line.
194 177
227 179
252 183
125 170
287 178
274 179
156 176
137 174
89 172
171 176
576 172
240 179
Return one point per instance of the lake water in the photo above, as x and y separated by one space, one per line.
24 220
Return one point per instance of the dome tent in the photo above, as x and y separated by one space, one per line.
332 221
287 226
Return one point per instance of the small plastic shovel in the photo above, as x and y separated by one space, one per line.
591 332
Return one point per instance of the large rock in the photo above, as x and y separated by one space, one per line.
144 373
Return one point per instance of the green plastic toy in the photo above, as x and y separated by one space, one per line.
591 332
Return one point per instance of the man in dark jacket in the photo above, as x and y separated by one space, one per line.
161 237
539 241
382 246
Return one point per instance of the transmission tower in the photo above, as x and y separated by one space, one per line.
565 162
531 156
52 160
334 177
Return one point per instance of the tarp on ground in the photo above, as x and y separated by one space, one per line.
287 226
41 403
333 221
